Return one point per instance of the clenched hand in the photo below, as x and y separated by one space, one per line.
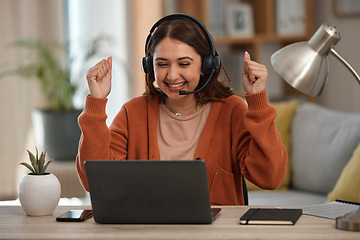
99 78
254 75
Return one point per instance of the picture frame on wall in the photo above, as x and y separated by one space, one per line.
346 8
290 17
239 20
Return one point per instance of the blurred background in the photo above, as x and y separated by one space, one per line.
260 27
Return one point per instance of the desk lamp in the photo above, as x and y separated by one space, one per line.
304 65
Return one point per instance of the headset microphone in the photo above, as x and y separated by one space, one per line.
183 92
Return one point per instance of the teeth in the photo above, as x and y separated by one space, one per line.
175 85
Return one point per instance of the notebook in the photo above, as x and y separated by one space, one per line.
143 191
271 216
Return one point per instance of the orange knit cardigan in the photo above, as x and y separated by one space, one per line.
236 139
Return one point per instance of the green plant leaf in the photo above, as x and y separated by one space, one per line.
37 156
32 158
33 162
46 166
42 160
28 166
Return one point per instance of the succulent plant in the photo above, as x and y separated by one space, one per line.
38 166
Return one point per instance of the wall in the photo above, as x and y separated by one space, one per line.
141 22
342 92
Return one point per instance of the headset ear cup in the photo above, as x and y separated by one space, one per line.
210 63
147 64
206 64
216 63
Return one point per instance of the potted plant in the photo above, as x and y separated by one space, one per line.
55 126
39 191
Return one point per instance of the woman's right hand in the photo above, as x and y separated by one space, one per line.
99 78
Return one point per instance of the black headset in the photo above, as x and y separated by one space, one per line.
209 64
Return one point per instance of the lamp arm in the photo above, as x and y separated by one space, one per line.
352 70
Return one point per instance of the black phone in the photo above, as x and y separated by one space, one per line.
75 216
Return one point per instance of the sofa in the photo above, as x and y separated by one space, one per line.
323 148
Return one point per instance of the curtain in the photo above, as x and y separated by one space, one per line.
21 19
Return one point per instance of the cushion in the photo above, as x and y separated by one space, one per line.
285 111
347 186
323 141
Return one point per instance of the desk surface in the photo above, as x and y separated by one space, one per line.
14 224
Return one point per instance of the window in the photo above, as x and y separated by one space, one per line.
88 19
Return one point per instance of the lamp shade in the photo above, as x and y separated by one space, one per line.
304 65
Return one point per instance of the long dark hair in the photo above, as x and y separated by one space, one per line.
190 33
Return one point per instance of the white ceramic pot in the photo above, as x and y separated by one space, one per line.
39 195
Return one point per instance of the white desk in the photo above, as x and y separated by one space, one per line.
14 224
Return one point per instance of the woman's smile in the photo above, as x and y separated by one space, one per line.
175 86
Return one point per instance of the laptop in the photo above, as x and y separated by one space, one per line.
150 192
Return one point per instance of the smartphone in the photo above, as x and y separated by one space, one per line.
75 216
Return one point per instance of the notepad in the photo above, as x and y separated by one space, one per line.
271 216
330 210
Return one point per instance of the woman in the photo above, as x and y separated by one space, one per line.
212 124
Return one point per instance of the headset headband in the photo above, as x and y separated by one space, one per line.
182 16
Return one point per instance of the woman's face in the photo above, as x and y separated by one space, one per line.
177 66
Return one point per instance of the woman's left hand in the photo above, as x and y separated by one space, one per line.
254 75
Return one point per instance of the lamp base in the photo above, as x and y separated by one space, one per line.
350 222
